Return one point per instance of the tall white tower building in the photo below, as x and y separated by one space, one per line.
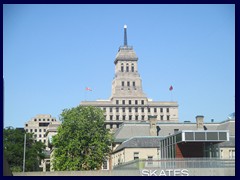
128 102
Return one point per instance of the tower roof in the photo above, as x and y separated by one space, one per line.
125 52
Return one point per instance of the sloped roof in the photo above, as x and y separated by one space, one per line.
230 143
140 142
126 54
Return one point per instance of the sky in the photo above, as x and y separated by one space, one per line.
51 53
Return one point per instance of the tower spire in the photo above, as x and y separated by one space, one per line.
125 35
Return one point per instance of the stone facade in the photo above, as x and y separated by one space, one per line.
38 125
128 102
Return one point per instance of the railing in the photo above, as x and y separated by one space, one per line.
179 163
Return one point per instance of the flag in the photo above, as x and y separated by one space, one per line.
171 88
88 89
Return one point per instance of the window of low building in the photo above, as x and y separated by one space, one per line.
136 155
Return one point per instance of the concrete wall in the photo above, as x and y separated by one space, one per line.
127 154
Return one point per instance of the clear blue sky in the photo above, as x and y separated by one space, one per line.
52 52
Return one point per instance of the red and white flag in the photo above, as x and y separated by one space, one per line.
171 88
88 89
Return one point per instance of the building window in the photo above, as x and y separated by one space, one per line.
40 135
35 119
161 110
117 110
133 83
122 83
111 117
26 125
31 130
110 109
117 117
136 155
105 164
129 102
130 109
47 119
39 119
136 102
176 130
161 118
132 68
127 68
117 101
167 110
155 110
26 130
136 117
136 109
124 117
35 130
40 140
104 109
43 119
122 68
150 159
149 110
143 117
40 130
130 117
128 83
232 154
168 117
52 119
142 102
142 109
44 141
123 101
44 130
123 110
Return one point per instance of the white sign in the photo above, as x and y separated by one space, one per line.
164 172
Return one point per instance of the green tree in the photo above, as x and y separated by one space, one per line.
82 141
13 142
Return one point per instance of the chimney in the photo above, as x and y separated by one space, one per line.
153 125
199 122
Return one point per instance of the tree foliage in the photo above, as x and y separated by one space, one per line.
82 141
13 142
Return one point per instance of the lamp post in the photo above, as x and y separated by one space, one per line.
24 152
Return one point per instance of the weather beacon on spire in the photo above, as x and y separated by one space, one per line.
125 35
